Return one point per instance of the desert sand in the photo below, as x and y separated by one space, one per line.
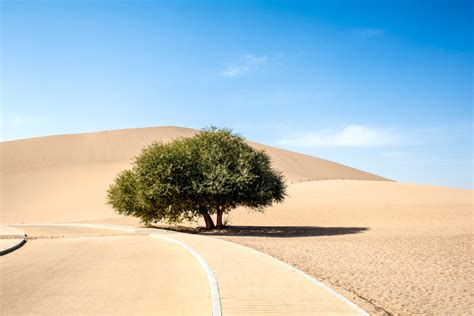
64 178
391 247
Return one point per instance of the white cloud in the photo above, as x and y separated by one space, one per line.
14 122
349 136
367 32
394 154
249 63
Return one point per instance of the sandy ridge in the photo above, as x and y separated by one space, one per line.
73 172
124 145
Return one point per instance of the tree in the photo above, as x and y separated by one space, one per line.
213 172
123 195
235 174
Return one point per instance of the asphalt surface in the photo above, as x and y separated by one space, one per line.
84 271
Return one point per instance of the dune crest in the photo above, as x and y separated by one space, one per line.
65 177
123 145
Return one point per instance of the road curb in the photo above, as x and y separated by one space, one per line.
211 277
12 248
22 240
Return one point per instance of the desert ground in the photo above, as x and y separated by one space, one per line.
392 248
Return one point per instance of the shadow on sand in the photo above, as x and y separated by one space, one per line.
273 231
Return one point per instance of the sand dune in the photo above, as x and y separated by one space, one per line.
123 145
64 178
58 194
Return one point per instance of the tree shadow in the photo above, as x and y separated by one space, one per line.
273 231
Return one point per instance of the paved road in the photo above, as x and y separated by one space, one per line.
251 283
85 271
80 270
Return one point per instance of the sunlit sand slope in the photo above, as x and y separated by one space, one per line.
64 178
406 248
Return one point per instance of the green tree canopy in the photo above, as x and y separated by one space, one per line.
213 172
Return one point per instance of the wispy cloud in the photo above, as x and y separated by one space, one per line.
367 32
14 122
394 154
15 126
249 63
348 136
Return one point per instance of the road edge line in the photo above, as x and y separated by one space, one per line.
320 284
211 277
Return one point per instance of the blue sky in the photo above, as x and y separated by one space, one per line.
384 86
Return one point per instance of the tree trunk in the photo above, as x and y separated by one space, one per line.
208 220
220 213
